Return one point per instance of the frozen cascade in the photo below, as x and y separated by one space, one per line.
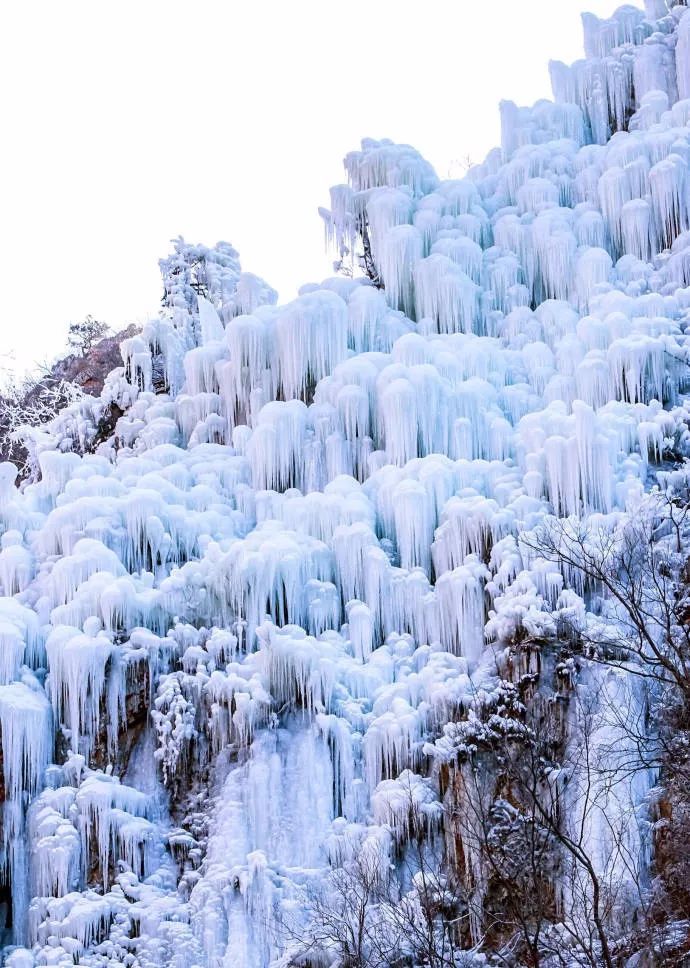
245 635
273 818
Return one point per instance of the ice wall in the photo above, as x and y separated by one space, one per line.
305 526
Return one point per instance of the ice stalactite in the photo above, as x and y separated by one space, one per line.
78 664
669 194
683 57
26 735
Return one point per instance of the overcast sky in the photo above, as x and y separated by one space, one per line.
127 123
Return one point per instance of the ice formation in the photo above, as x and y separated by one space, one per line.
297 558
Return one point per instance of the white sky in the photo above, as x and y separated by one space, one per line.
125 123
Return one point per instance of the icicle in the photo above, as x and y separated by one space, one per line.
246 340
400 252
399 412
461 604
311 339
386 208
56 849
276 443
445 294
366 311
359 620
683 56
211 326
77 663
464 253
638 229
614 192
413 524
27 739
668 183
16 564
11 652
113 818
592 271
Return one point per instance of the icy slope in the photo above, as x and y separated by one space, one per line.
297 558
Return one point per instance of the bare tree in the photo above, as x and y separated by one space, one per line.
431 917
370 913
458 167
343 918
543 818
32 401
638 571
85 334
362 256
633 574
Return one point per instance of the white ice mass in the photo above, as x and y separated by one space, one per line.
295 567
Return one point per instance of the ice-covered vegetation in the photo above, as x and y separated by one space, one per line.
347 632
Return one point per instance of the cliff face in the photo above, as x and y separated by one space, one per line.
347 632
40 398
90 370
